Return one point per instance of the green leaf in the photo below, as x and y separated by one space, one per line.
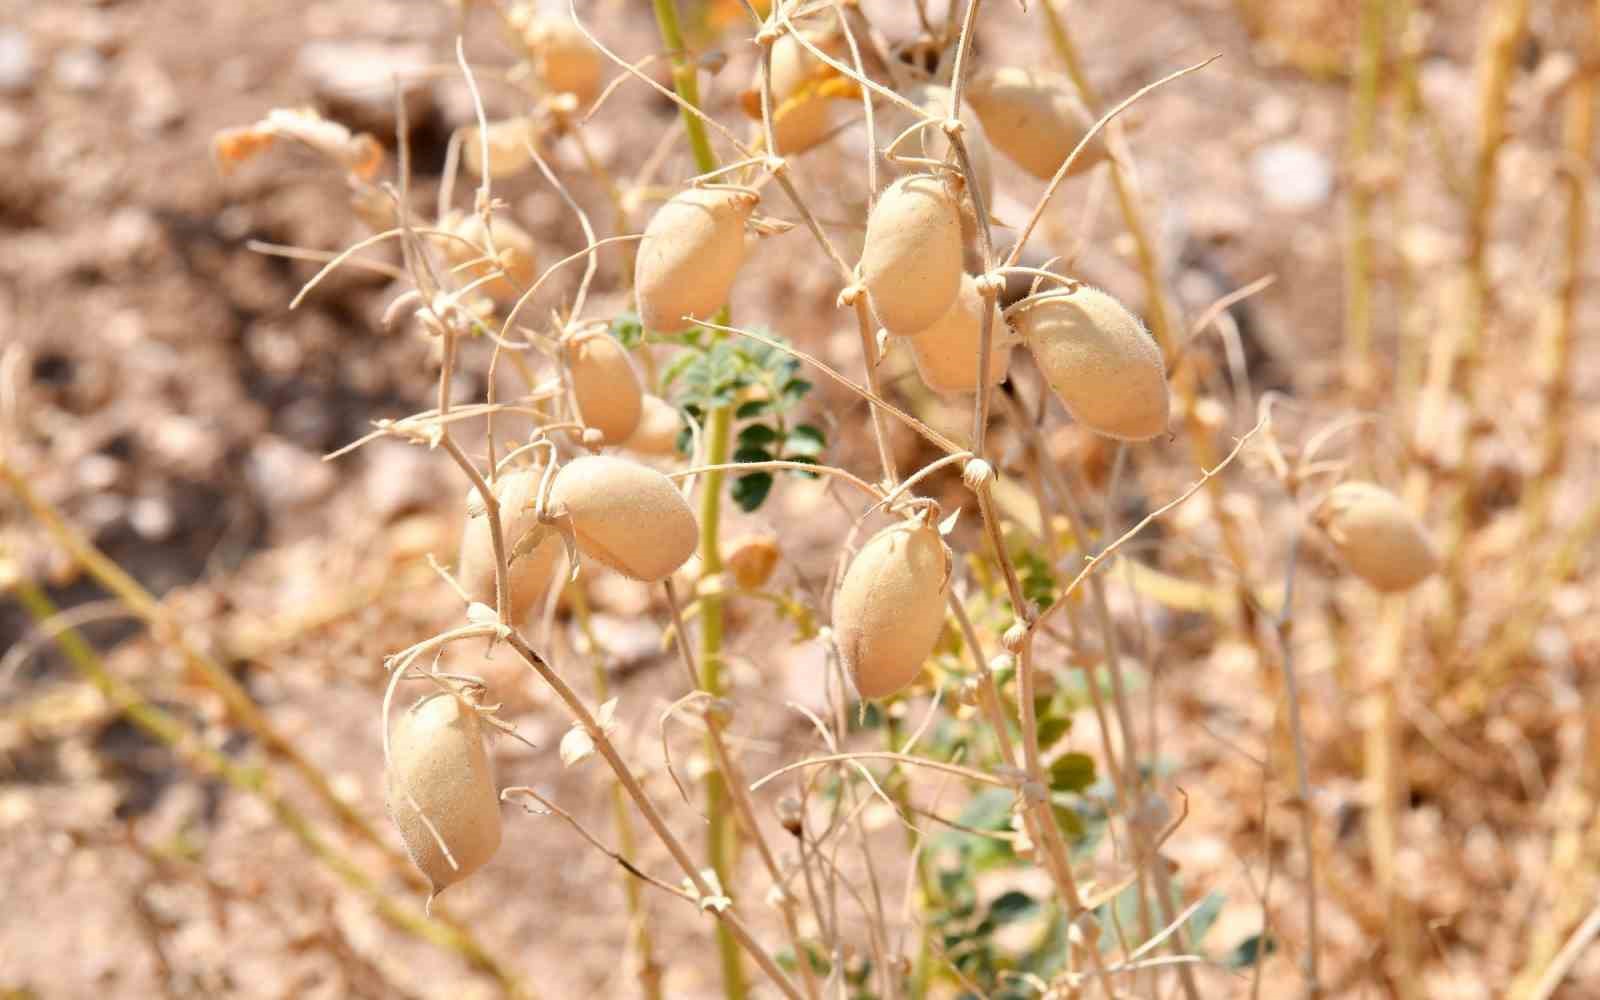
1068 820
752 455
1204 915
750 491
628 330
756 435
1012 906
1052 728
1072 772
803 460
804 440
794 390
752 408
1250 951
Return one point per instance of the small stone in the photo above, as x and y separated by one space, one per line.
16 61
284 475
354 81
81 70
1292 175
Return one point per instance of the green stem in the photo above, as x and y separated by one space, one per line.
719 426
685 82
719 832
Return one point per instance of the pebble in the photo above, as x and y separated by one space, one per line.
81 70
16 61
1291 175
354 81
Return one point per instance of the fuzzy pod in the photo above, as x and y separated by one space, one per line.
947 352
660 423
626 515
1034 119
508 152
563 59
437 755
690 255
1099 360
530 576
518 254
911 261
890 606
605 384
1377 536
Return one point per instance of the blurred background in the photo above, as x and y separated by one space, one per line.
1411 174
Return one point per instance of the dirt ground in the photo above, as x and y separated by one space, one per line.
172 407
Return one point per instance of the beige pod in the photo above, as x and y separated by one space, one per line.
1034 119
911 261
626 515
438 764
508 150
518 256
890 605
1098 359
1377 535
605 384
947 352
800 125
690 255
659 426
529 576
563 60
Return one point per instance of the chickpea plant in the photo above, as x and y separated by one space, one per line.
952 690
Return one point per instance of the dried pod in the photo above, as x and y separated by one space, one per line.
1099 359
1034 119
563 60
468 248
1377 535
690 255
752 559
801 117
660 423
438 765
911 262
508 149
947 352
528 576
628 516
605 384
890 606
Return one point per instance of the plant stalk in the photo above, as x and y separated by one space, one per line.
719 428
